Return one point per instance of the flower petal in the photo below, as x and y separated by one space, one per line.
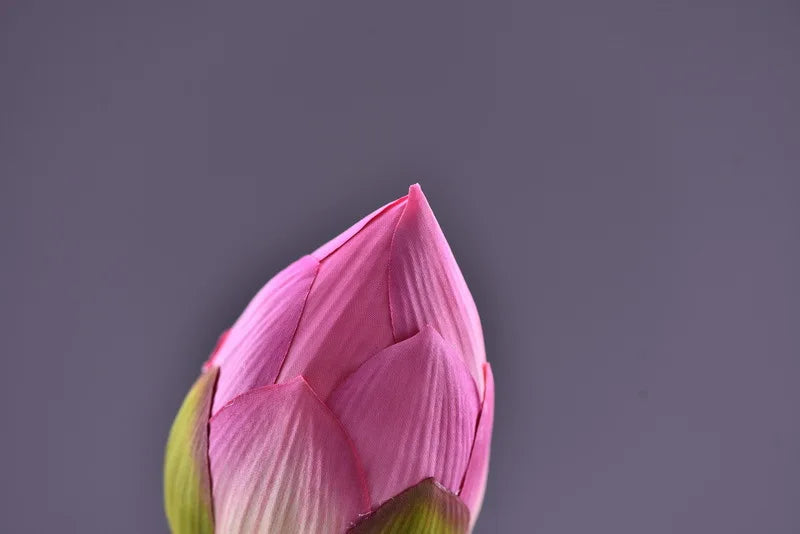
478 469
411 411
427 507
253 351
281 462
187 486
427 287
346 318
331 246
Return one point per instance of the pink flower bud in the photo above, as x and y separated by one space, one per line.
352 393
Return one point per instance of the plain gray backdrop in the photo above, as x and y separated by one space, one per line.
619 181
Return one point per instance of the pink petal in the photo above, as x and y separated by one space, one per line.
478 469
427 287
331 246
411 411
280 462
253 351
346 319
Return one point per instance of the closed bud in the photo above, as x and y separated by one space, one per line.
352 394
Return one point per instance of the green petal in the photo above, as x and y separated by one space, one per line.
187 483
427 507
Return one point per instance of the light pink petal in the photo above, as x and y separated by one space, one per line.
478 469
252 352
411 411
427 287
280 462
346 318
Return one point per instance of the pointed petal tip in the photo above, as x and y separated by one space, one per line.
428 340
428 333
427 286
416 200
296 385
301 383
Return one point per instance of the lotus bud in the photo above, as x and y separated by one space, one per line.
351 395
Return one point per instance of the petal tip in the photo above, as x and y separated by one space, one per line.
428 340
428 332
303 386
416 199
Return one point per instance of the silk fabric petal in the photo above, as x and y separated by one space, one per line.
411 411
427 287
281 462
253 351
346 318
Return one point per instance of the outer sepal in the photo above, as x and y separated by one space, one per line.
187 483
427 507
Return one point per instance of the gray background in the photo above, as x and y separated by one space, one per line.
619 181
